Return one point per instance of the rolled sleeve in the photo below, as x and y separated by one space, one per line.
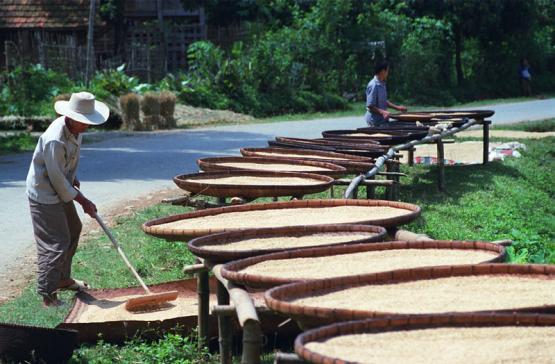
55 160
372 96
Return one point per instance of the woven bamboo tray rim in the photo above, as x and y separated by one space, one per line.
278 298
212 165
351 162
196 246
232 270
330 143
255 152
151 227
405 322
188 183
370 153
391 134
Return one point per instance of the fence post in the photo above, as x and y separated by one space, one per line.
90 46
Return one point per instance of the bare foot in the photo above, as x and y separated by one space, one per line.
51 301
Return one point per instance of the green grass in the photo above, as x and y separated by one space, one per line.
532 126
19 142
513 199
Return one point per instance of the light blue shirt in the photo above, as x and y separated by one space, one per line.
376 95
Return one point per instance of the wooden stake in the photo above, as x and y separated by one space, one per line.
440 165
203 292
485 124
224 327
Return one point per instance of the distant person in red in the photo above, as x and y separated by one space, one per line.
525 77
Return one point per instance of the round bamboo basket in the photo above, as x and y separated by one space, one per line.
285 299
217 164
395 126
411 116
369 153
471 114
390 137
206 246
268 184
424 116
260 215
387 256
350 162
454 336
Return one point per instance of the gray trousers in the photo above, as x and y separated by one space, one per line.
57 228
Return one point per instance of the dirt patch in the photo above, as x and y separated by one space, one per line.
465 152
14 281
195 116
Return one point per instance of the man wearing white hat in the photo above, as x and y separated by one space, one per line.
52 186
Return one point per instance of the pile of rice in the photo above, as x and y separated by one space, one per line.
365 263
451 294
257 181
463 345
285 242
287 217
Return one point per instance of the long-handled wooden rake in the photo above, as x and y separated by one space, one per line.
145 302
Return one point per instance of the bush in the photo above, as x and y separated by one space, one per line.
112 82
28 91
131 111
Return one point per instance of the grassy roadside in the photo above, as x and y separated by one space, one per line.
503 200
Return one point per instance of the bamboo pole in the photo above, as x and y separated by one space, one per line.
392 151
287 358
90 45
248 319
440 165
405 235
203 292
224 327
485 124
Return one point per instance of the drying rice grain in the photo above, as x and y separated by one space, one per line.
368 135
112 309
284 242
257 181
485 345
461 294
302 156
365 262
274 167
287 217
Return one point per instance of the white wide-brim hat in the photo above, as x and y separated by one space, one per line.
83 107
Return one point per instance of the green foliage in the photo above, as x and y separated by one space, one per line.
20 142
172 348
112 82
29 91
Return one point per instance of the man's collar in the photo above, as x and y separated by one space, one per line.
378 80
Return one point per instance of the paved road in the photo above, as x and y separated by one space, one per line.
123 168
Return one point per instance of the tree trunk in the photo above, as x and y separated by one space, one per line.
458 51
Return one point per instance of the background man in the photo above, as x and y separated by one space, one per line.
376 97
52 187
